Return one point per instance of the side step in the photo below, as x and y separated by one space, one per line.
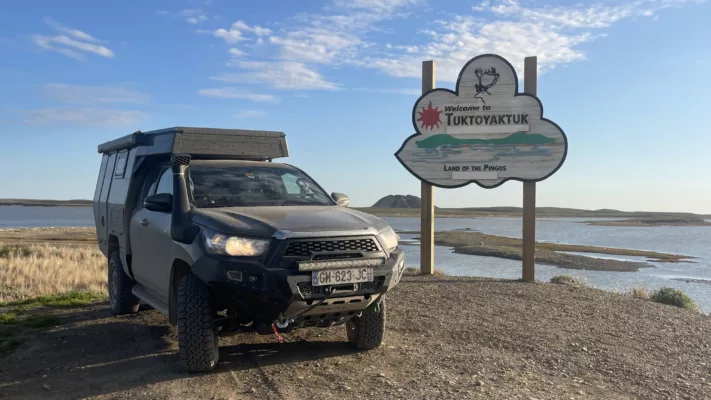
141 292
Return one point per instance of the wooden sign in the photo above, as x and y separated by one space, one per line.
485 132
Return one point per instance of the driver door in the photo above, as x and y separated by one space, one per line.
151 242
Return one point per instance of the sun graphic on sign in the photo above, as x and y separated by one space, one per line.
430 117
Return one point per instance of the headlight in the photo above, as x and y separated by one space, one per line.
389 238
217 243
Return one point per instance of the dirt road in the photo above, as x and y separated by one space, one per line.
448 338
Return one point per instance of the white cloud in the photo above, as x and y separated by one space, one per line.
377 5
71 42
235 93
348 31
94 117
249 114
257 30
593 16
305 40
189 15
76 33
278 75
554 34
235 52
328 39
77 94
405 91
236 32
482 6
319 45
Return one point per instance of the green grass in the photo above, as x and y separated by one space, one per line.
9 318
70 299
13 322
32 321
674 297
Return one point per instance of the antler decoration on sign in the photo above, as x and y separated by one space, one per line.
490 76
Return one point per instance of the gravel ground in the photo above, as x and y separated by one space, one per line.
447 338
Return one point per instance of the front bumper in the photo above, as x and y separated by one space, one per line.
266 293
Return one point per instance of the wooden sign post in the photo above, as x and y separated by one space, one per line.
427 192
485 132
528 236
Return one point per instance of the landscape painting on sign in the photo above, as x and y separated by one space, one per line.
485 132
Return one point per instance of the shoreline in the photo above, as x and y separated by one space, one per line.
84 235
46 203
650 223
479 244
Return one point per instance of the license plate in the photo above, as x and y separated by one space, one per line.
341 276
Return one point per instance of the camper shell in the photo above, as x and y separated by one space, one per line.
295 257
115 198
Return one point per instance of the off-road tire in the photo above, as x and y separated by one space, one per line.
197 339
121 299
367 331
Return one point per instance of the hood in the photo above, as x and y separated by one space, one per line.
264 221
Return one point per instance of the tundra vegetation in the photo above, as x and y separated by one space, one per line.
37 278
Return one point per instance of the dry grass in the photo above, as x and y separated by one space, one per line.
641 292
28 271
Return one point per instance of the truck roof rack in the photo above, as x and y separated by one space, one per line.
203 143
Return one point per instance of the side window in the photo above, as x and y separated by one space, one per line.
121 161
290 184
165 183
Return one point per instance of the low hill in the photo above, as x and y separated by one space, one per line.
398 201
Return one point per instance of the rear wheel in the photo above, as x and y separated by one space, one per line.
197 338
121 300
367 331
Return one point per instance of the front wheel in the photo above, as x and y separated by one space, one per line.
367 331
197 339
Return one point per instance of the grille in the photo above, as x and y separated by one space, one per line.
308 248
312 292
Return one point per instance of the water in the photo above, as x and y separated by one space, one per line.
35 217
691 241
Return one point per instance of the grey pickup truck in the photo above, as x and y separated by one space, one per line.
201 225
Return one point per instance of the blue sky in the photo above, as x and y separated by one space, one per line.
627 81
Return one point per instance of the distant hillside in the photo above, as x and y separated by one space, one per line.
45 203
575 212
541 212
398 201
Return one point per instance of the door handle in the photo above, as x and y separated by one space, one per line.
144 222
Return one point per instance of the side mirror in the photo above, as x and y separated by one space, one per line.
341 199
161 202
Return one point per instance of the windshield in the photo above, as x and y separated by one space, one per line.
241 186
